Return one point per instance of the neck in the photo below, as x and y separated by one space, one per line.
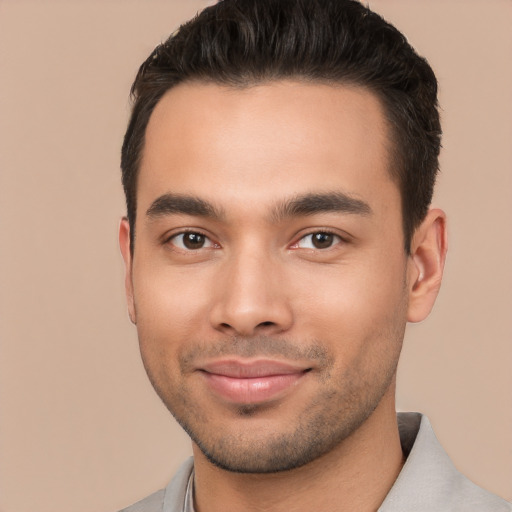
356 475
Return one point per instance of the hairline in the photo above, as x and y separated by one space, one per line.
392 145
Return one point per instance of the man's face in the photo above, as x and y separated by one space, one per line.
269 283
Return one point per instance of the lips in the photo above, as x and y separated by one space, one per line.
251 382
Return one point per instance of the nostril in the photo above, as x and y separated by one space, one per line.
266 324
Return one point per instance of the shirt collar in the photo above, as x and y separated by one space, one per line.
188 504
409 425
428 480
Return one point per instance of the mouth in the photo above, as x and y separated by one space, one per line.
251 382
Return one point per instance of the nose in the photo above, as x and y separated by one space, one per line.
251 299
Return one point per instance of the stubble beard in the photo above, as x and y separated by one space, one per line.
343 405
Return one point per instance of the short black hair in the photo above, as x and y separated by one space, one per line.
241 43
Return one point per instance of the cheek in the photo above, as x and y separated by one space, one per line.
170 309
355 304
168 295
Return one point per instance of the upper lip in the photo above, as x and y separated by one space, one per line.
244 369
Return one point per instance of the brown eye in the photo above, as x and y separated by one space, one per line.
318 240
191 241
322 240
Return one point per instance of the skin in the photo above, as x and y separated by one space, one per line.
259 287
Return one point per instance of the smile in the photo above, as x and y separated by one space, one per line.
251 383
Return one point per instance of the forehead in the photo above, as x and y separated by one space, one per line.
262 141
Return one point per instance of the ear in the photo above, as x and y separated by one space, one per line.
426 264
124 244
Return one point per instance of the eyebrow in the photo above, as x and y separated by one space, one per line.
311 204
169 204
299 206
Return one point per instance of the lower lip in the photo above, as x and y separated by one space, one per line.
252 390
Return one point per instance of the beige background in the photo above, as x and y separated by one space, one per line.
80 427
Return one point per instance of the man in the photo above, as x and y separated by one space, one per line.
278 167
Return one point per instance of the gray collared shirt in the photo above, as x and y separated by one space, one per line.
428 481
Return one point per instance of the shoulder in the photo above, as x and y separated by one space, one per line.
152 503
170 499
429 480
472 497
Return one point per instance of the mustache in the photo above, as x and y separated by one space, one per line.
260 346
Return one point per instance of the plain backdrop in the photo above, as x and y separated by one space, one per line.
80 427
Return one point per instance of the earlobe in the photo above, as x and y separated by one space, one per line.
426 264
124 244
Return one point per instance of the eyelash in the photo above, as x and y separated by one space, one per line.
295 245
169 239
323 231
